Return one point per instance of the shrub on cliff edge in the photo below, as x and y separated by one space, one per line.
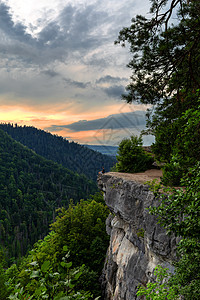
132 157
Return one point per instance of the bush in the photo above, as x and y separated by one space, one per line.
131 157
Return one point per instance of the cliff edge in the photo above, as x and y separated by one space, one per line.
137 243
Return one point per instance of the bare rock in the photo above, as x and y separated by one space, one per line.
137 243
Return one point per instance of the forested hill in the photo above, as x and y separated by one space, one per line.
31 188
71 155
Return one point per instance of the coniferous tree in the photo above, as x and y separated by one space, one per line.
165 65
31 189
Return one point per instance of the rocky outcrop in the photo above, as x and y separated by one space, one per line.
137 243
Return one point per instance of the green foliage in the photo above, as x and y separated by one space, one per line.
89 281
154 186
140 233
75 157
44 282
165 55
186 149
165 73
3 287
179 213
31 189
82 228
97 197
132 157
69 260
158 290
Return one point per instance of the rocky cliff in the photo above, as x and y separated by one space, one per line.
137 243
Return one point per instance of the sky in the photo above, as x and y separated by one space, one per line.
60 70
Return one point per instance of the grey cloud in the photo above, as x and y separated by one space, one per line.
80 22
18 31
79 35
116 121
50 73
115 91
79 25
97 61
81 85
72 33
110 79
68 81
51 34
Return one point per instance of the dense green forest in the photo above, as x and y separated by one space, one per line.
71 155
67 263
31 189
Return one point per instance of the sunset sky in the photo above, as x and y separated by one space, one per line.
61 72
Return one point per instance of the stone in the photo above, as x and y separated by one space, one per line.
137 243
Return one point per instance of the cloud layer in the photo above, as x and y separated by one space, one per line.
63 54
134 120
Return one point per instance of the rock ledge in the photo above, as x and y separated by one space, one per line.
137 243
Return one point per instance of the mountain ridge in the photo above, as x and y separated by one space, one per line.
31 189
71 155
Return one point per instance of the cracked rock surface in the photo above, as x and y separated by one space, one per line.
137 243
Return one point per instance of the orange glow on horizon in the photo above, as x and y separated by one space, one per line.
63 114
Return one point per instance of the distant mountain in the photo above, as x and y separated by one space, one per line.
104 149
75 157
31 189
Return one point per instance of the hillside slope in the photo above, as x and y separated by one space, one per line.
31 189
71 155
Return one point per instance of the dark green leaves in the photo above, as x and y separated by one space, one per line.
179 213
132 157
45 266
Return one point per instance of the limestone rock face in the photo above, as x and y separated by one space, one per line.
137 243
